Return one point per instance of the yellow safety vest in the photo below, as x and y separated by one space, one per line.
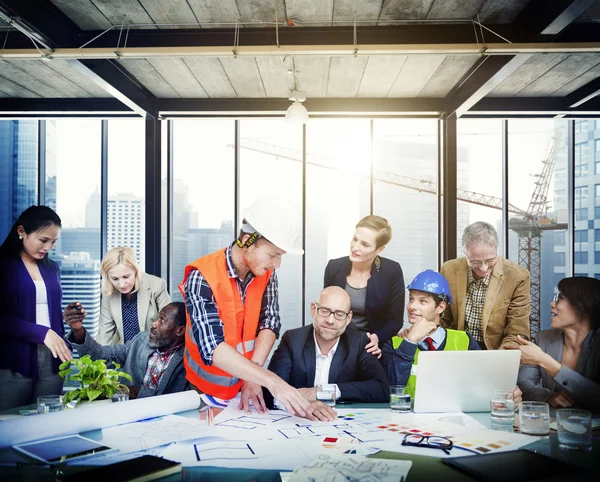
456 340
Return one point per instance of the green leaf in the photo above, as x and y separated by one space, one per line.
93 394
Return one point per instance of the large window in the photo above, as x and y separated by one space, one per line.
479 176
73 183
405 190
126 185
271 163
537 184
18 170
203 192
352 167
338 153
587 198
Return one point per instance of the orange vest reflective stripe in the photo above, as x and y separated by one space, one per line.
240 322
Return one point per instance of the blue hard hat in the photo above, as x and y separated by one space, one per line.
432 282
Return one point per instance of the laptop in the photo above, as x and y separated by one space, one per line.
463 381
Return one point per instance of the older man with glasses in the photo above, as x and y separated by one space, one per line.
492 300
329 353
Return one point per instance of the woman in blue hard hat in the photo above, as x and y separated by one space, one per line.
375 285
429 294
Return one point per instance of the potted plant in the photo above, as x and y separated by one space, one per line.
95 379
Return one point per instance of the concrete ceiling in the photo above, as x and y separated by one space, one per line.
400 76
436 75
102 14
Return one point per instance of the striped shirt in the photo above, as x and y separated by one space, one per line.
476 291
207 326
157 365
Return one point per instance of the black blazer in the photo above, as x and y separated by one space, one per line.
385 294
358 374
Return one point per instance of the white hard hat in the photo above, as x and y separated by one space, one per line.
278 220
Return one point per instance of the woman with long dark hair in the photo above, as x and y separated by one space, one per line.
31 325
566 358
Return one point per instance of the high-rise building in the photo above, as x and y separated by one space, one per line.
18 169
80 280
126 225
75 240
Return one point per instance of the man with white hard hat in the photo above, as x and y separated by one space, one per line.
232 306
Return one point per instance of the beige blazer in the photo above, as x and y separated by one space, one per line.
151 298
507 302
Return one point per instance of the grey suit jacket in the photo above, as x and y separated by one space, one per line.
583 382
133 358
152 297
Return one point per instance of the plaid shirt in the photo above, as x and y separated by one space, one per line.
157 364
476 291
204 315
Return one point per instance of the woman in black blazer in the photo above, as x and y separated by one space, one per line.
375 285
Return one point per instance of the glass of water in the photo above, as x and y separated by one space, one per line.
534 418
326 394
50 403
502 408
399 398
574 429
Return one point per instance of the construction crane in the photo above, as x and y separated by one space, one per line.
528 226
529 230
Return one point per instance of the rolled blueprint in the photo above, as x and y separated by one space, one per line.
77 420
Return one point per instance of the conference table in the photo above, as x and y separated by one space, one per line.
424 468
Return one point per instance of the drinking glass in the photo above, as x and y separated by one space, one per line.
534 418
574 429
502 408
399 398
50 403
326 394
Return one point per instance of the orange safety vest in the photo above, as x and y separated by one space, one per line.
240 322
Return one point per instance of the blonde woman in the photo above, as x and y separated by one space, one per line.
131 299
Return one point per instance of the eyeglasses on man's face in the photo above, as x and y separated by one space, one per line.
488 263
326 312
428 441
558 297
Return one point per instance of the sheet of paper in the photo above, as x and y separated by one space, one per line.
218 451
341 468
99 416
146 434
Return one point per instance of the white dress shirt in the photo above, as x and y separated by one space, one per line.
322 368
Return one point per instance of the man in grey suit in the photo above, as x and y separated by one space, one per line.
154 360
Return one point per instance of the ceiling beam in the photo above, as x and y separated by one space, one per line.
315 106
398 34
42 18
550 17
533 106
482 78
56 29
544 19
298 50
584 93
119 83
37 107
490 106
